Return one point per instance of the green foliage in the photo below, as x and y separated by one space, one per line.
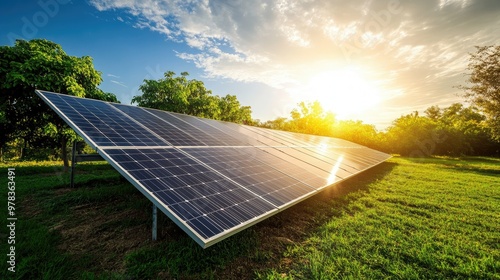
484 84
41 64
409 135
310 118
455 130
181 95
232 111
358 132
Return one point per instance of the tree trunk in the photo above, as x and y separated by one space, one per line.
64 153
21 150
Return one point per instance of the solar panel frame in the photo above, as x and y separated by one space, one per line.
281 152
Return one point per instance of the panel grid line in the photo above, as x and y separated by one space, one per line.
229 179
137 122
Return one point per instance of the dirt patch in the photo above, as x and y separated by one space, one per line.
62 191
97 232
29 207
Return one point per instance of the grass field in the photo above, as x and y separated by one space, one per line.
407 218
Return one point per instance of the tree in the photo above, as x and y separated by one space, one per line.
455 130
232 111
433 112
357 132
42 64
413 135
483 87
280 123
312 119
467 131
191 97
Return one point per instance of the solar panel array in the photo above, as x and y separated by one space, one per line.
211 178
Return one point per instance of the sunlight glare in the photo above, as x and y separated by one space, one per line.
345 92
333 173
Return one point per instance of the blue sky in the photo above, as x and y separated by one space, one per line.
368 60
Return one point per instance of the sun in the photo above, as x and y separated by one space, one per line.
345 92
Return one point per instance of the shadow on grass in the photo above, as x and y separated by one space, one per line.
477 171
464 164
255 249
457 160
489 160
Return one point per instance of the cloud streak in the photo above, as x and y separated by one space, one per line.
119 83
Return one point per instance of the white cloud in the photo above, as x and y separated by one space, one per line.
417 48
461 3
119 83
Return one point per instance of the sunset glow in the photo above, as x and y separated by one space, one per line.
345 92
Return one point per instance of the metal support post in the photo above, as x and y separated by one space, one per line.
73 163
155 218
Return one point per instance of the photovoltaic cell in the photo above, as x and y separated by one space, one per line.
299 169
209 135
162 127
100 122
226 139
211 178
243 166
234 130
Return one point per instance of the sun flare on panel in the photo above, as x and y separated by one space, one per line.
345 92
333 173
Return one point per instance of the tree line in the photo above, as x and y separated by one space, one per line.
453 131
31 130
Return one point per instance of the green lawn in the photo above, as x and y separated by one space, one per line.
404 219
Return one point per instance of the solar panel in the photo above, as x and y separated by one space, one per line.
225 139
164 128
99 123
212 178
188 191
243 166
208 135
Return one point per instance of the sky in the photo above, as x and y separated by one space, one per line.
364 60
